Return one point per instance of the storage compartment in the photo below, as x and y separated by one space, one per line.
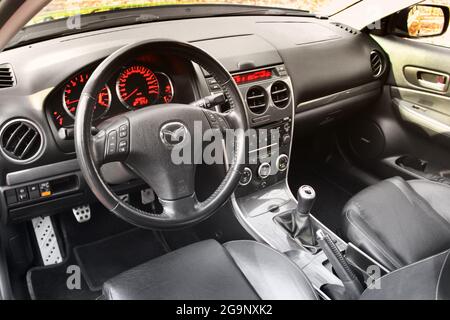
410 162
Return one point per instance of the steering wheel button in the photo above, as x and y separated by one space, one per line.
123 131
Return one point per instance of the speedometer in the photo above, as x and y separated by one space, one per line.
72 92
137 87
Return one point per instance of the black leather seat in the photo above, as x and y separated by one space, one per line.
428 279
240 270
398 222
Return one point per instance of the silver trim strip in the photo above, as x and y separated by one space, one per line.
38 173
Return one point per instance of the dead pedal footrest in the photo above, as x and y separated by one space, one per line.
47 241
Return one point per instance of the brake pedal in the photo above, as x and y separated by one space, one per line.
82 213
47 241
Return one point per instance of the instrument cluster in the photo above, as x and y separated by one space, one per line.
135 86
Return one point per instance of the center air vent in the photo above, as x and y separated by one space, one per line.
21 140
280 94
7 79
257 100
376 62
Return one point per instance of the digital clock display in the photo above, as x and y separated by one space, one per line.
252 76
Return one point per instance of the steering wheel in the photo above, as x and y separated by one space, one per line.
144 142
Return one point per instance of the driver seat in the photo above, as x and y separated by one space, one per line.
207 270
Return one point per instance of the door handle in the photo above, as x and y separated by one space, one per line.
436 86
427 79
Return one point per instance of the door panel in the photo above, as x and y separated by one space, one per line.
413 113
408 55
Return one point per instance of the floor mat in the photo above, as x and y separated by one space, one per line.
50 283
106 258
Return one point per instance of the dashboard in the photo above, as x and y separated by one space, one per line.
327 69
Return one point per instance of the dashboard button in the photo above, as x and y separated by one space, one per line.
11 196
246 177
45 190
34 192
22 194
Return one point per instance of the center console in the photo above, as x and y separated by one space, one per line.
268 96
263 202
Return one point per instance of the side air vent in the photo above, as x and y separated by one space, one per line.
257 100
377 63
21 140
7 79
280 94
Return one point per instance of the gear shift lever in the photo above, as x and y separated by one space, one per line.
303 228
306 197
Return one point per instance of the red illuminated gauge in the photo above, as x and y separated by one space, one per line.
59 119
137 87
72 94
165 88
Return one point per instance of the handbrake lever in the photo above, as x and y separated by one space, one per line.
352 286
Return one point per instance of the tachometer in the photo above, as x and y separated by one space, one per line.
137 87
72 93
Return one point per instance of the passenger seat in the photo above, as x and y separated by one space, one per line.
399 222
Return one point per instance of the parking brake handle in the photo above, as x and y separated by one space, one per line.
352 286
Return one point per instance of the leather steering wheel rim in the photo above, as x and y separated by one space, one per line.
177 213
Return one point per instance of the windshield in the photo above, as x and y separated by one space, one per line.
61 9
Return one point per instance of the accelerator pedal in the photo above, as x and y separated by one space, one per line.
82 213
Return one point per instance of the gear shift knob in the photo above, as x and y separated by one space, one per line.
306 197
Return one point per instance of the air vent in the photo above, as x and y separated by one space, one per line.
21 140
7 79
257 100
376 62
280 94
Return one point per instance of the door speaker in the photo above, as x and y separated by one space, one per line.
366 139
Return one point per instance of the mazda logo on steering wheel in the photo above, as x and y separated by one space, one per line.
173 133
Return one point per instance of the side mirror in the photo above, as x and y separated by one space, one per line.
422 21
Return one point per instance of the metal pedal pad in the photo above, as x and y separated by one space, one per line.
147 196
46 239
82 213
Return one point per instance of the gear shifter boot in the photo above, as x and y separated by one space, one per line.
304 229
298 223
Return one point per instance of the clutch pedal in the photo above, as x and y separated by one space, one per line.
82 213
47 241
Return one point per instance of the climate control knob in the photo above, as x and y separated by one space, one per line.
264 170
282 163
